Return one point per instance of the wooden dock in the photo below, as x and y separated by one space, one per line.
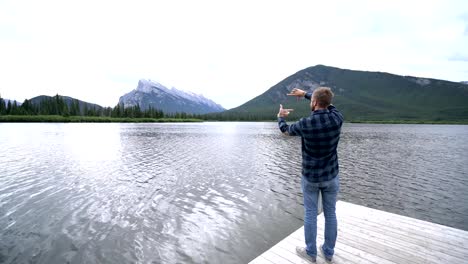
367 235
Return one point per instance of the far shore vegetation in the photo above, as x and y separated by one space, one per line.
88 119
56 109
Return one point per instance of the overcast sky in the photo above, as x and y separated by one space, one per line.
229 51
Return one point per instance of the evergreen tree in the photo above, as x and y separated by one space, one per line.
55 105
85 110
117 111
107 111
126 111
2 106
91 111
14 108
27 108
45 107
65 110
99 112
147 112
75 108
8 108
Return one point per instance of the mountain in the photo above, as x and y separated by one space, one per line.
464 82
153 94
363 96
68 100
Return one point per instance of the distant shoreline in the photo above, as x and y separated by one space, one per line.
88 119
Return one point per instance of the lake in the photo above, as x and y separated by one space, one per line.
204 192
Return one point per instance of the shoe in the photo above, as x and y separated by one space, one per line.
301 251
327 258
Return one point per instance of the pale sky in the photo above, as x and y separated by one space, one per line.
229 51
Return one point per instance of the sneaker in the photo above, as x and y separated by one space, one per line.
327 258
301 251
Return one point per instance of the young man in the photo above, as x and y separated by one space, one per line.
320 133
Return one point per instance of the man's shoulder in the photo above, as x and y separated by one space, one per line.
335 112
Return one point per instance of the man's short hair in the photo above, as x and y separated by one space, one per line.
323 96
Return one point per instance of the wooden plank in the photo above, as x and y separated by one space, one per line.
270 256
286 249
375 249
412 249
362 256
289 252
415 233
339 257
285 254
353 209
355 254
350 254
260 260
402 237
393 225
368 235
418 235
379 248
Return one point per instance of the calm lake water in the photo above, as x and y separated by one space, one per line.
203 192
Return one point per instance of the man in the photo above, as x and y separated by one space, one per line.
320 133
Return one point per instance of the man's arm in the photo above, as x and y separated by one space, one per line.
291 130
333 109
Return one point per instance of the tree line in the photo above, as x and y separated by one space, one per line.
57 105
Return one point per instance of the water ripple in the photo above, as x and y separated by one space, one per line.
203 193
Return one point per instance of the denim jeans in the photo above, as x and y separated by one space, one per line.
329 191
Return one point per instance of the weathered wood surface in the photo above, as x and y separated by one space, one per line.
367 235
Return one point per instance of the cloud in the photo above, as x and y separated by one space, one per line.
459 57
464 18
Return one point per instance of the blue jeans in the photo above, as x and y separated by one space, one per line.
329 191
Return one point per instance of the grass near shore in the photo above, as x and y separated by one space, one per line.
88 119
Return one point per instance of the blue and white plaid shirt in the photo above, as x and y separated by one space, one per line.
320 133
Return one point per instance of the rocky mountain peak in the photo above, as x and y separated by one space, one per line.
148 86
153 94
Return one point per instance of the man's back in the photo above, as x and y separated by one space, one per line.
320 133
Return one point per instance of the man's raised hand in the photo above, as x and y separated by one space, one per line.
297 92
284 112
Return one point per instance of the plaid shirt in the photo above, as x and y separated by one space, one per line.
320 133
